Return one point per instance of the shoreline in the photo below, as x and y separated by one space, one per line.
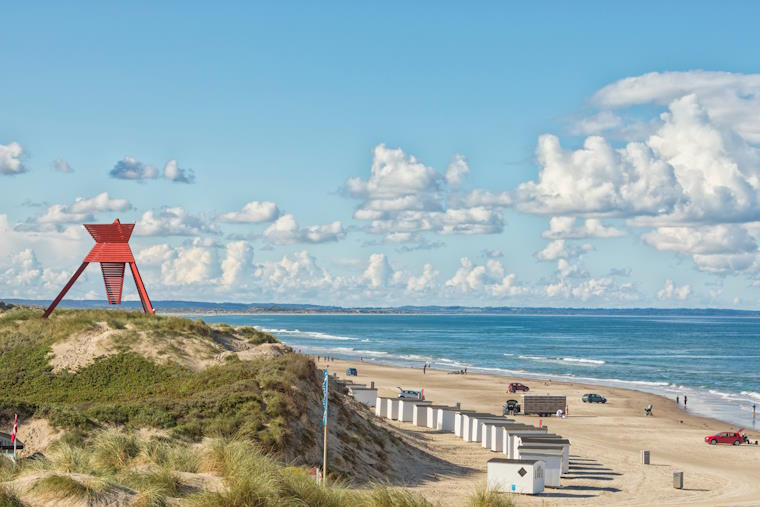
610 435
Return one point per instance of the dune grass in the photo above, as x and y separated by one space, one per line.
8 498
484 497
254 399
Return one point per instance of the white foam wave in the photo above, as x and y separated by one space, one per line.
308 334
560 360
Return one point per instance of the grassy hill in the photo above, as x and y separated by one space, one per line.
170 411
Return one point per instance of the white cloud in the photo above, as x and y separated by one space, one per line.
62 166
285 230
672 291
173 172
295 274
195 264
403 199
489 279
457 171
564 228
10 159
239 257
598 123
553 251
252 213
426 281
26 278
172 222
379 271
83 209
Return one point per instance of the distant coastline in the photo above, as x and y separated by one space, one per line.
212 308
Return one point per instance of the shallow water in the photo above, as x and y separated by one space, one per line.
713 360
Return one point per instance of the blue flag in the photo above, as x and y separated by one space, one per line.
324 400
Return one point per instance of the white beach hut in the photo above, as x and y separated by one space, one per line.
392 411
459 420
550 440
524 476
444 419
497 434
509 438
476 434
552 458
488 431
406 409
420 414
381 406
364 395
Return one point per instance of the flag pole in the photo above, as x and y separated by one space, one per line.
15 428
324 424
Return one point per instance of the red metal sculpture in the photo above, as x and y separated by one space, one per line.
112 251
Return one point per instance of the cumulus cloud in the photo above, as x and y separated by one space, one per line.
252 213
673 291
26 278
285 230
239 257
692 179
426 281
489 279
564 228
10 159
173 172
714 248
457 171
172 222
297 273
62 166
403 199
83 209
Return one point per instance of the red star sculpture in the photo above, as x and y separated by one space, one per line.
112 251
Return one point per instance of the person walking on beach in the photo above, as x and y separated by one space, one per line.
678 400
424 368
685 398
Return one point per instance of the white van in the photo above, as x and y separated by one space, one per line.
409 394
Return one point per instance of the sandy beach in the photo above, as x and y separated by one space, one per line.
606 443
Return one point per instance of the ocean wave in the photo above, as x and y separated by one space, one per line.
751 394
560 360
308 334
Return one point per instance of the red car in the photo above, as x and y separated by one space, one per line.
725 437
516 386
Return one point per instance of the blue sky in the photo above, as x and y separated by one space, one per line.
482 123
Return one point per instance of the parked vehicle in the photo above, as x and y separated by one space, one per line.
725 437
516 386
593 398
511 407
351 372
543 405
410 394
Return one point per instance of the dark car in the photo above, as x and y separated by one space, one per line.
516 386
594 398
351 372
511 407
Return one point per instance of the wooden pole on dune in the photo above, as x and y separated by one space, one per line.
324 425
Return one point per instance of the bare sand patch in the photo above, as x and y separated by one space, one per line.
37 435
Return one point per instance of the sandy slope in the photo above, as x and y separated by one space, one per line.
606 444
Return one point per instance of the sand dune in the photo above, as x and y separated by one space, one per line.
606 444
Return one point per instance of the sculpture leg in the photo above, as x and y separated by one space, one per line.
64 291
147 307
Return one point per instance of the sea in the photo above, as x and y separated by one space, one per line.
712 360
